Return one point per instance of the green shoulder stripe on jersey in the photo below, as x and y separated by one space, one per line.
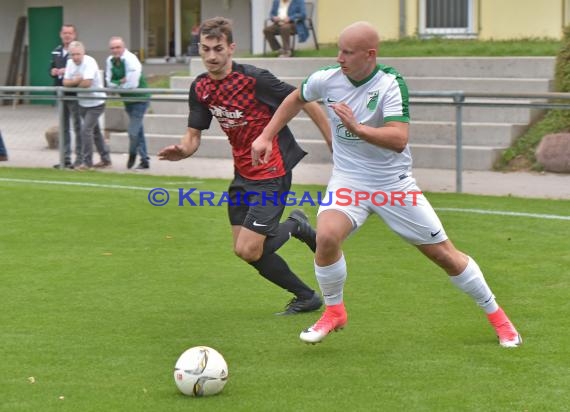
403 88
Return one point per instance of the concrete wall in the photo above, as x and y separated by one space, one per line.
334 15
511 19
240 13
412 17
96 22
493 19
11 10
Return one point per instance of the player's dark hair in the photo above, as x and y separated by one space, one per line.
216 28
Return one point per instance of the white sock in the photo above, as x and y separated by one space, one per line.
331 281
472 282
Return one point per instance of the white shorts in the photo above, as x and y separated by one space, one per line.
402 207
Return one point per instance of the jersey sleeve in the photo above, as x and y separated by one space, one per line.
311 88
200 116
395 105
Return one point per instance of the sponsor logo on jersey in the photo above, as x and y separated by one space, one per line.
231 123
220 111
343 133
372 100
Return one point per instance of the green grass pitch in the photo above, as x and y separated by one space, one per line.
100 292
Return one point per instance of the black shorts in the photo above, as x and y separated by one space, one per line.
258 204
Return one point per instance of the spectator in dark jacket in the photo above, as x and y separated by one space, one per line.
59 57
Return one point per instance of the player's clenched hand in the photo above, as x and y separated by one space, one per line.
174 152
260 151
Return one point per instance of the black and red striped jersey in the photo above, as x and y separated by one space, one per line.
244 102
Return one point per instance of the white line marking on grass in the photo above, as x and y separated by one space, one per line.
503 213
443 209
85 184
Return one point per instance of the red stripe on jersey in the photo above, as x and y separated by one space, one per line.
242 117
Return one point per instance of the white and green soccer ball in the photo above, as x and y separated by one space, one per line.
201 371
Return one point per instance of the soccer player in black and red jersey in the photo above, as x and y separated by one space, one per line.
243 98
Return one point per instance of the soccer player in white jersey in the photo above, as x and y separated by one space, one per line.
367 105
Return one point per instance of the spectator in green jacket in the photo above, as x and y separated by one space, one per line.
123 70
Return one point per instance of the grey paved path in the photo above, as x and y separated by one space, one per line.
23 128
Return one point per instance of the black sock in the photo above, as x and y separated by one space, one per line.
273 268
273 243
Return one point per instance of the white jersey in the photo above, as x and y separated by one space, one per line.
382 97
89 70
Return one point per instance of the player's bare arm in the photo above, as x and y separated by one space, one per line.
392 135
317 115
187 147
262 146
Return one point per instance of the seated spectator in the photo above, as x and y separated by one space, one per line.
288 18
